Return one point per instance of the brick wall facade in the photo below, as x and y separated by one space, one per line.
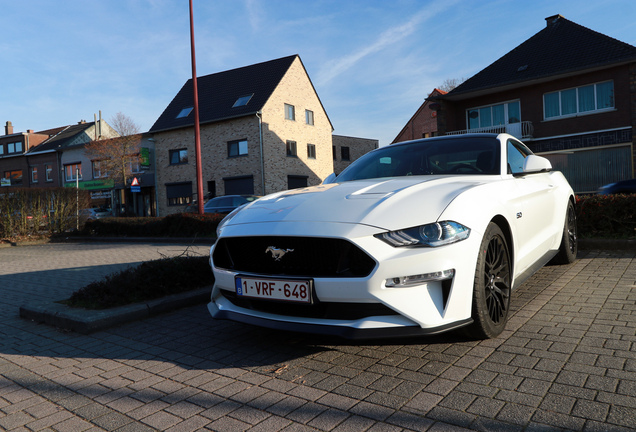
357 147
294 89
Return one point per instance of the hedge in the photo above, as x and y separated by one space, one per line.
600 216
35 211
606 216
176 225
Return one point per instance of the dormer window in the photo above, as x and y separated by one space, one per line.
242 101
185 112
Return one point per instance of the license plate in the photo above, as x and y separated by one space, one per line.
294 290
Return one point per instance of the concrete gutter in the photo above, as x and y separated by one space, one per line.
87 321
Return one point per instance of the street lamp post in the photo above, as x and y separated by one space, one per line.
197 134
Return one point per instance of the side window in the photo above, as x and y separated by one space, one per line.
517 154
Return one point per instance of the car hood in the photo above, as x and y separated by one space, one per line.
393 203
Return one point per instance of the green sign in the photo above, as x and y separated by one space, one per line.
144 157
92 184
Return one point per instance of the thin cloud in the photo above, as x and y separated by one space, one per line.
388 38
254 13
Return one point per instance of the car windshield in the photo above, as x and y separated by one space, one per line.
463 155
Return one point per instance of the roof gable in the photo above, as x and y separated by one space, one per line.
65 137
219 92
562 47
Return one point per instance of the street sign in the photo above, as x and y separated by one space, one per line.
134 186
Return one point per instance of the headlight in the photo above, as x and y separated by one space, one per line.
430 235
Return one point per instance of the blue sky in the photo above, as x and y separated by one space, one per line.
372 62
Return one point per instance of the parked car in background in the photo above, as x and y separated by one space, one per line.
94 213
225 204
621 187
413 238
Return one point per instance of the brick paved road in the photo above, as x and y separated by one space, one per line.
566 362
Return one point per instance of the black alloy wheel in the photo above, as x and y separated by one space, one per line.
492 288
569 241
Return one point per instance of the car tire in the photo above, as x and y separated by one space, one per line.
492 286
569 240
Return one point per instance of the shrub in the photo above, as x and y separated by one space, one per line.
29 211
150 280
609 216
177 225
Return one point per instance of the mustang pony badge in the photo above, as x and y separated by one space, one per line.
277 253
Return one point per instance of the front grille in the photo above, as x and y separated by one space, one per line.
323 310
304 256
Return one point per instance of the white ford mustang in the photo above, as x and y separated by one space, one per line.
413 238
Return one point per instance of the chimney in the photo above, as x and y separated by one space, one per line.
551 20
8 129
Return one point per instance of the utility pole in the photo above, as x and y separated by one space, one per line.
197 133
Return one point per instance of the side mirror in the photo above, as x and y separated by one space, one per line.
330 179
534 163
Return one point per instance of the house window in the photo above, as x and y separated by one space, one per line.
296 181
291 149
242 101
15 176
15 147
344 153
333 150
579 100
179 193
311 151
1 149
290 112
185 112
135 165
239 185
178 157
309 117
494 115
48 170
34 175
73 172
237 148
99 170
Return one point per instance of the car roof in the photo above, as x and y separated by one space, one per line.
454 137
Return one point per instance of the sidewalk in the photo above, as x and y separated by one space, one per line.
567 361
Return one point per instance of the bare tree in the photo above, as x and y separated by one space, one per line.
450 83
116 158
124 125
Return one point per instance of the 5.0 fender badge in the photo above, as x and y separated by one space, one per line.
277 253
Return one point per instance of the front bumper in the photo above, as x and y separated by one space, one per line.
427 308
378 327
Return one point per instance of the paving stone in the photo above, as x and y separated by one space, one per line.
566 360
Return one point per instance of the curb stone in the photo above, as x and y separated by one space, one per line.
87 321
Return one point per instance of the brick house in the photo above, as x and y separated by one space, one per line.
346 149
54 159
15 169
263 129
423 124
569 92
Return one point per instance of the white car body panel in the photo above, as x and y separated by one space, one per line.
531 206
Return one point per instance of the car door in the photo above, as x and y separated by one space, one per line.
536 201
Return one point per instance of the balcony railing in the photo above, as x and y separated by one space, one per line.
522 130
